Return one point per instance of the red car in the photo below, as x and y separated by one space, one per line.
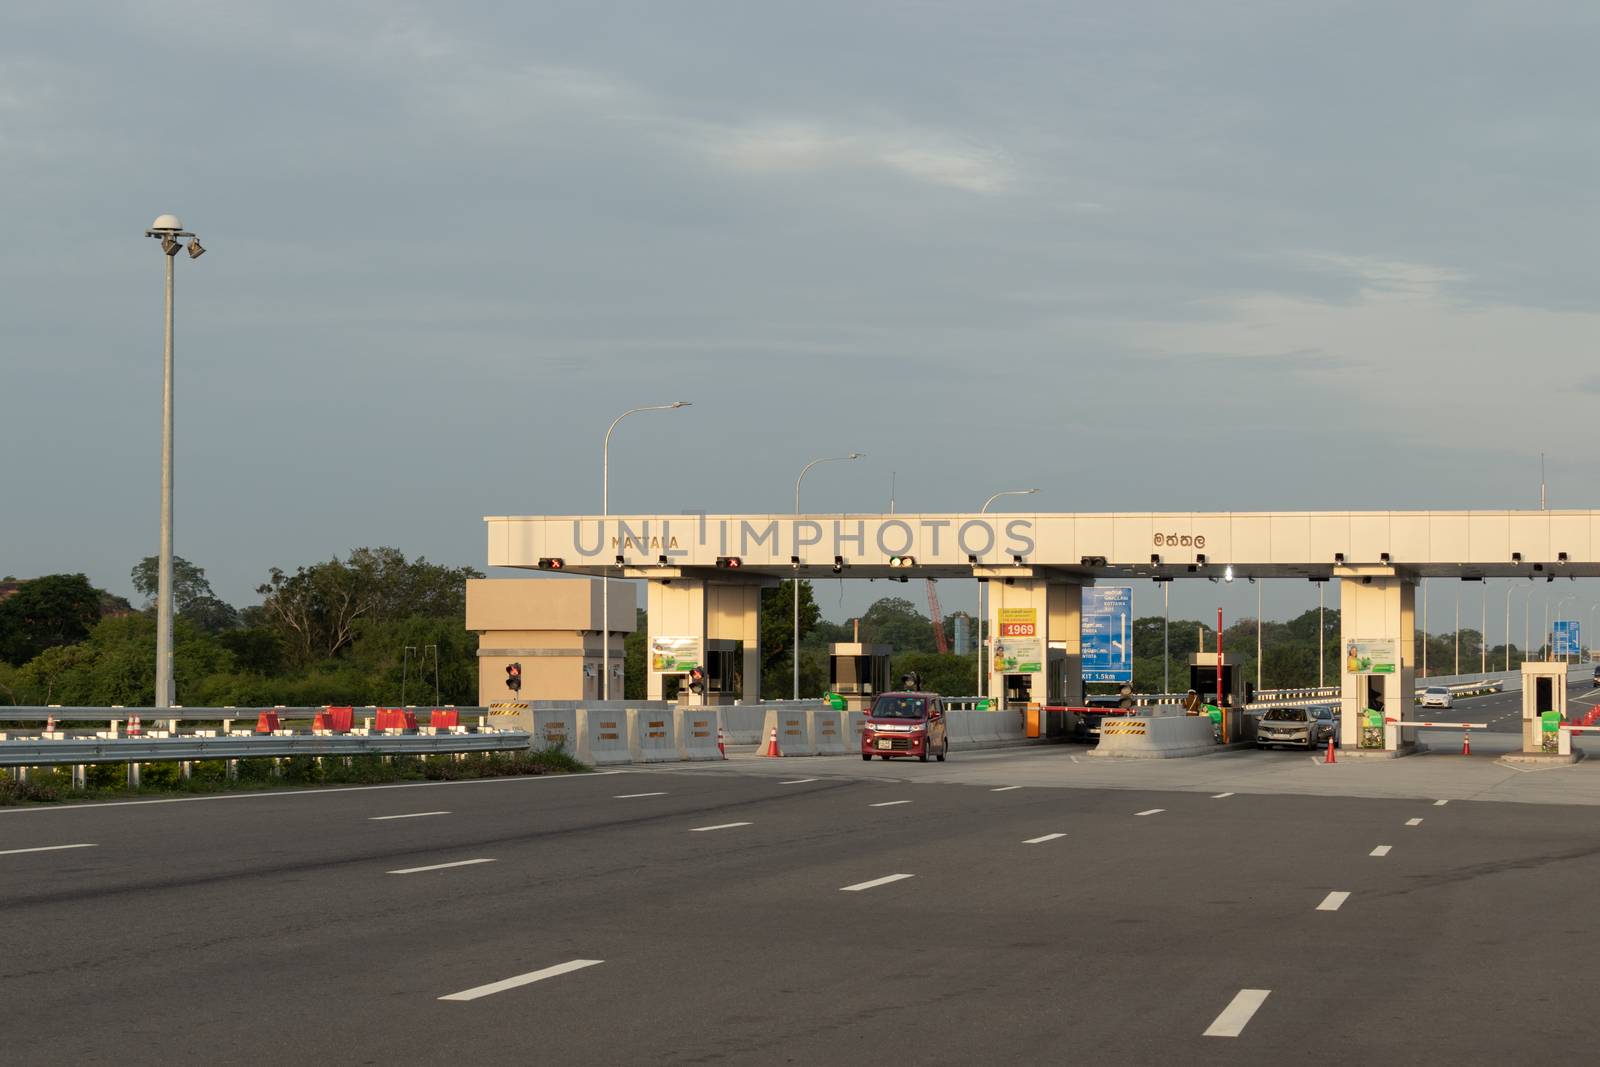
905 724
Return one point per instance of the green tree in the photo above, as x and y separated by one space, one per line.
57 609
895 621
192 596
777 637
315 610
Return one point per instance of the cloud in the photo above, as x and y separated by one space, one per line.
922 155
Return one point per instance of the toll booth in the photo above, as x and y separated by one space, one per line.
858 673
1544 703
1235 691
724 684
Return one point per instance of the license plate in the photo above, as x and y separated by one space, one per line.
885 743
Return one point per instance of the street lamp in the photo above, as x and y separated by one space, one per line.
982 510
170 232
605 513
1512 588
823 459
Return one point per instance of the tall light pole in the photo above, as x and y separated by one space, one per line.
1322 638
605 514
795 694
1512 588
1483 630
1424 625
169 231
1258 633
982 666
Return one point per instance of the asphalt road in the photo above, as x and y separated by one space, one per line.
273 928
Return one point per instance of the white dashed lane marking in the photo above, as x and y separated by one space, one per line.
1413 822
719 826
1237 1015
888 803
1381 850
43 848
1221 796
1005 789
635 796
885 880
1152 811
521 980
1042 840
1333 901
438 866
409 815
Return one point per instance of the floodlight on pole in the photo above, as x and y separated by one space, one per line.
168 229
605 513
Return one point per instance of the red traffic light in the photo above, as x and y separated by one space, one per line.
729 563
552 563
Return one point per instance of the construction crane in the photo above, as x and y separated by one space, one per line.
938 619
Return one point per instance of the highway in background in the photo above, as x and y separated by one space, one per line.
782 913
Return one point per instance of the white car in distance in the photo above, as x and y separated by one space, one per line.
1436 696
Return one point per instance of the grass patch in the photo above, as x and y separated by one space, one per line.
109 781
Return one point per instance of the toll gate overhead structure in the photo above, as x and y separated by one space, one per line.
705 573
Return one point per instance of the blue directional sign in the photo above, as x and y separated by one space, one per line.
1107 634
1565 639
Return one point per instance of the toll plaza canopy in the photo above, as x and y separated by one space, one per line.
704 574
1087 546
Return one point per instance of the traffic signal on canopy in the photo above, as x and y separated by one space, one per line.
552 563
729 563
902 561
514 677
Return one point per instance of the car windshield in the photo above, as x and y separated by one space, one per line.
1324 713
890 707
1285 715
1437 691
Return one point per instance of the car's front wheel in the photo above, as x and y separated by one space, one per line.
867 756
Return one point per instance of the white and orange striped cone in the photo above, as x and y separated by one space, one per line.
772 744
722 744
50 723
134 727
1466 742
1330 757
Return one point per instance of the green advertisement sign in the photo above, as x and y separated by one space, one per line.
1018 655
674 655
1372 656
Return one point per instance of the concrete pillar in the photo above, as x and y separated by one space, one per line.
1376 604
677 610
707 610
1055 609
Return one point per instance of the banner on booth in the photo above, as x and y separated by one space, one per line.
1374 655
675 655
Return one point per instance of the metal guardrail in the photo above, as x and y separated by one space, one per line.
41 752
103 713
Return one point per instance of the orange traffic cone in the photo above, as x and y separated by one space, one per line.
50 723
772 744
1331 758
1466 742
722 745
134 726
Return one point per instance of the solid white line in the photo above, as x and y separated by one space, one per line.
1220 796
521 980
1152 811
885 880
632 796
1333 901
93 805
1005 789
438 866
41 848
1413 822
1042 840
1440 803
1381 850
412 815
1237 1015
888 803
798 781
719 826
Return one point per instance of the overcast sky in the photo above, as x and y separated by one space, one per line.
1187 255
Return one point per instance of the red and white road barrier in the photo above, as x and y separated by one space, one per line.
1466 729
1564 736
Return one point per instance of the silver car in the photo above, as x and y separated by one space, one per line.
1287 726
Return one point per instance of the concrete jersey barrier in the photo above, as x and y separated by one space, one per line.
794 731
830 732
602 736
650 735
555 728
742 723
695 733
1155 737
